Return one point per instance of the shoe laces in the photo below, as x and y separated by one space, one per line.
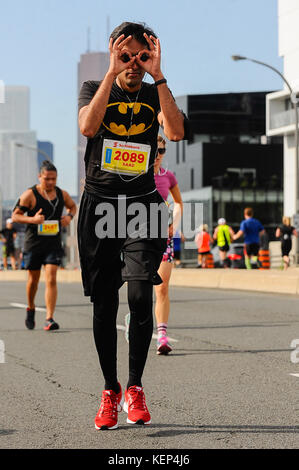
108 404
137 398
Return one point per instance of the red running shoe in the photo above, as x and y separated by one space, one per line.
136 407
51 325
111 404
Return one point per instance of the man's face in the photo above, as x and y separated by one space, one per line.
131 77
48 180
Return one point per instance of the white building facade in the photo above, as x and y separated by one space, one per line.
18 165
280 113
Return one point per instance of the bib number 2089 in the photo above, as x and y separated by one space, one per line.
125 156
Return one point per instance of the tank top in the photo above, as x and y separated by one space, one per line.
40 243
203 242
223 235
286 233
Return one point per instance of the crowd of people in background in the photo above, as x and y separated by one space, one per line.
253 236
251 233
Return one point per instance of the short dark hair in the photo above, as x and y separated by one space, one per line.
248 211
47 165
133 29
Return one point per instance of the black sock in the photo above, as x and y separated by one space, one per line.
114 387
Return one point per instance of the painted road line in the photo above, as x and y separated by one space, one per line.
38 309
119 327
295 375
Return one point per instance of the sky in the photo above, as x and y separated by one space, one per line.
41 42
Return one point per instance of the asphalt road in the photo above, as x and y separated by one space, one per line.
227 384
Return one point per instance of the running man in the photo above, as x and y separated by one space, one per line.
43 204
223 234
252 229
120 116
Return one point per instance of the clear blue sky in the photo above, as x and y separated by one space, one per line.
41 42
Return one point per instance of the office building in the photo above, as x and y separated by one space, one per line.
92 66
45 152
280 108
18 163
227 163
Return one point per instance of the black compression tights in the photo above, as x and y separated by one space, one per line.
140 294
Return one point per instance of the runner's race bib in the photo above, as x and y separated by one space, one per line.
48 228
126 158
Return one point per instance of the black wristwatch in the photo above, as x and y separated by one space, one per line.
70 215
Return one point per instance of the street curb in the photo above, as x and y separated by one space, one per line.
272 280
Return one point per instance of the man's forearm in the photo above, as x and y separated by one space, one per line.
173 120
22 219
238 235
93 115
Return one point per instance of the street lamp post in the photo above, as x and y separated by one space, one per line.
294 100
17 144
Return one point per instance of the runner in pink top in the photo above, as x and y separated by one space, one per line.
165 180
166 183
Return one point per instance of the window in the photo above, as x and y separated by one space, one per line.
177 153
192 179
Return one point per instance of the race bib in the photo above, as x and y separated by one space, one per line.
126 158
49 228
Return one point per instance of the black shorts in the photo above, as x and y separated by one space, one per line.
286 247
252 249
224 248
33 261
115 260
8 250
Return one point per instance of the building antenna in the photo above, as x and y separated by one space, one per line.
88 40
108 29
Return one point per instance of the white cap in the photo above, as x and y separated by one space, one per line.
221 221
9 221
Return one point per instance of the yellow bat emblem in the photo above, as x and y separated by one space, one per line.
143 118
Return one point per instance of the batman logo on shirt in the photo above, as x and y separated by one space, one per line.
128 119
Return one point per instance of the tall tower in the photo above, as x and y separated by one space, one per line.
18 166
92 66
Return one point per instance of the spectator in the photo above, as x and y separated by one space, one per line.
178 239
8 236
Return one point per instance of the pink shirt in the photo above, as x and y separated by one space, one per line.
165 180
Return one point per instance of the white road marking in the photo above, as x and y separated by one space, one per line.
38 309
119 327
295 375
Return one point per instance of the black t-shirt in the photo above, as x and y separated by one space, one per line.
122 118
286 233
8 234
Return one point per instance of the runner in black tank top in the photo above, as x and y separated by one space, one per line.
52 210
44 204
